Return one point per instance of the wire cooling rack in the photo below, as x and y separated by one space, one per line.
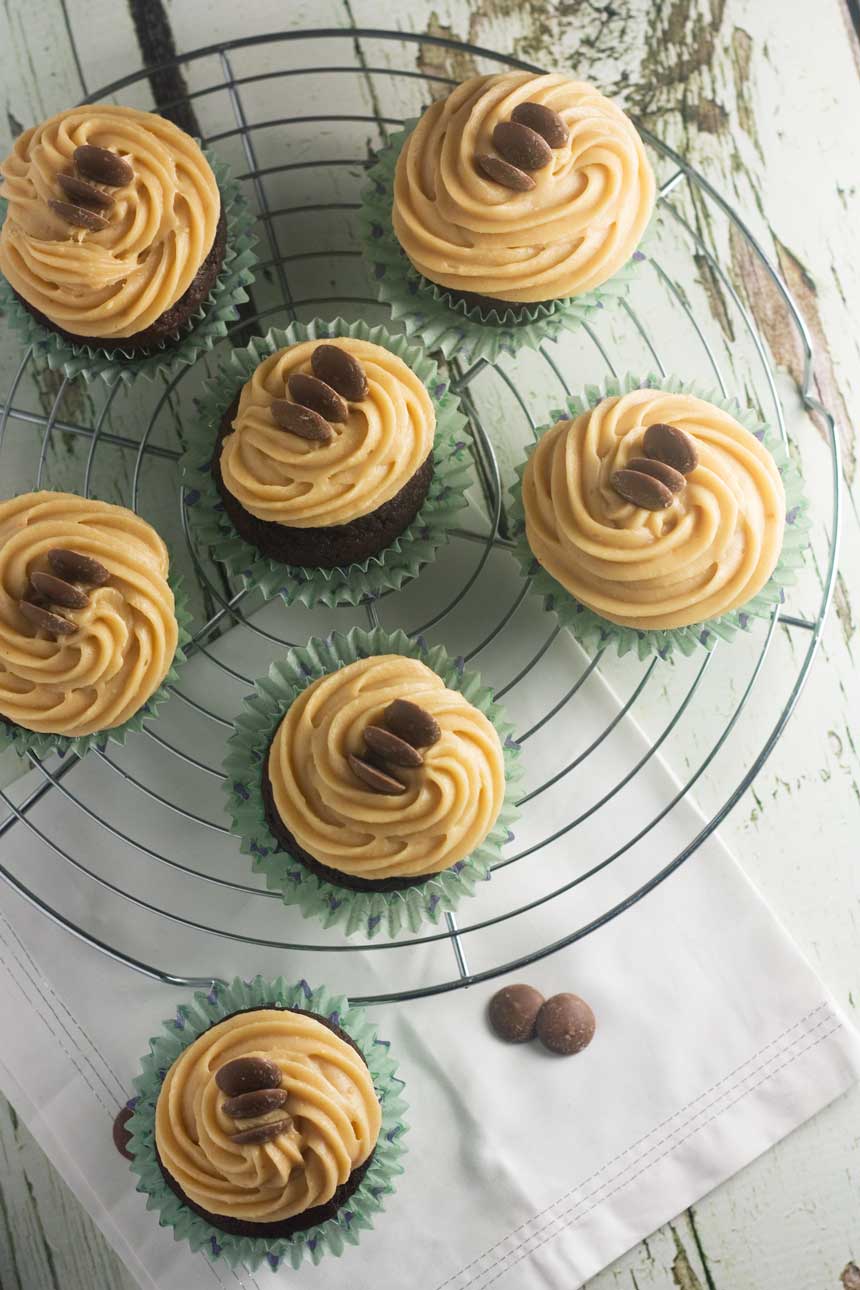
130 851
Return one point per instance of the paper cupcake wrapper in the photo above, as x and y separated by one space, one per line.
365 580
595 632
365 912
442 320
207 326
356 1214
24 741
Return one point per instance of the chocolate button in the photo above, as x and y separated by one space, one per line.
102 166
79 216
565 1024
59 592
412 723
315 394
300 421
547 123
246 1075
262 1132
521 146
673 479
341 370
54 624
391 747
674 446
375 778
502 172
641 490
247 1106
121 1135
82 193
76 567
513 1011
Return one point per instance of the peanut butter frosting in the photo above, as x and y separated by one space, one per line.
126 637
710 552
332 1107
280 477
450 804
579 224
116 281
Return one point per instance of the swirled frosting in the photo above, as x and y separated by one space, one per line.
710 552
280 477
117 281
334 1110
101 675
576 228
451 802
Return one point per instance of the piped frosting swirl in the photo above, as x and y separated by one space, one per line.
334 1118
126 637
450 803
117 281
280 477
579 224
709 552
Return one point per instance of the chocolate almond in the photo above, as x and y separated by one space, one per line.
391 747
317 395
673 479
58 592
262 1132
84 194
521 146
671 445
102 166
543 121
301 421
412 723
641 490
565 1024
42 619
79 216
75 567
246 1075
341 370
502 172
374 777
247 1106
513 1012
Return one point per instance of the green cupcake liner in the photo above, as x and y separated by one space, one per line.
595 632
365 580
354 911
442 320
32 741
356 1215
208 325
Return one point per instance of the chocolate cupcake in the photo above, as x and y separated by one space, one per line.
325 456
267 1123
115 234
88 619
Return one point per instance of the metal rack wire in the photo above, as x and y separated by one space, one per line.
231 606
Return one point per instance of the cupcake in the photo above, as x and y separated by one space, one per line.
655 510
115 231
372 780
268 1123
88 622
515 200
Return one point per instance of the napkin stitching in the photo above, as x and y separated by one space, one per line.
681 1112
624 1178
34 978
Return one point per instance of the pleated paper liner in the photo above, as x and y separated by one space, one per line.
207 326
595 632
24 741
368 913
356 1215
389 569
438 317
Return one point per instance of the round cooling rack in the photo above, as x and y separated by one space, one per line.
129 849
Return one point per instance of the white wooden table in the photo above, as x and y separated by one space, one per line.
764 96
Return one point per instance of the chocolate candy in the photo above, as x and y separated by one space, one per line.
247 1106
641 490
673 479
80 216
121 1135
54 624
412 723
315 394
82 193
565 1024
671 445
513 1012
102 166
374 777
341 370
246 1075
75 567
391 747
262 1132
300 421
521 146
58 592
544 121
502 172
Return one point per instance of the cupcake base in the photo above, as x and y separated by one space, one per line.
334 546
170 324
486 304
299 1222
289 844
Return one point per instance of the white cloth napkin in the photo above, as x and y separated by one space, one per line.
524 1171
